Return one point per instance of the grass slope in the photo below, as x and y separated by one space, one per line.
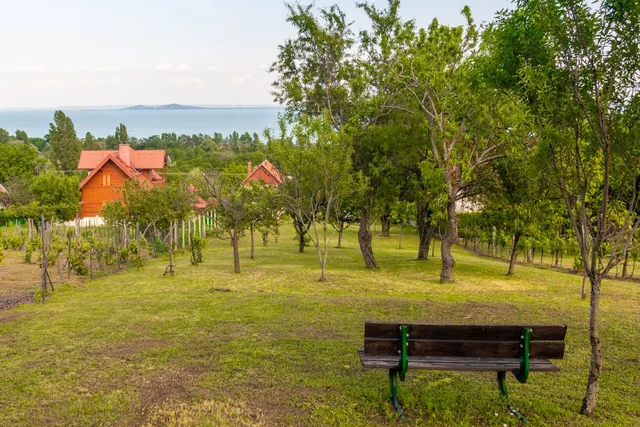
280 348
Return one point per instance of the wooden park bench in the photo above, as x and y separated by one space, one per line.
400 347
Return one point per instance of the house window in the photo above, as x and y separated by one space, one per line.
106 180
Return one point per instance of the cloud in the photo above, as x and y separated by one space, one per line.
164 67
241 79
32 68
213 68
263 66
168 66
110 69
187 81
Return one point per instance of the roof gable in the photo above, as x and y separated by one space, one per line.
116 161
267 167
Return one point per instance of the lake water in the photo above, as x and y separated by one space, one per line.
144 123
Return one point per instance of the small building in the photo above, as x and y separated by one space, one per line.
110 169
264 172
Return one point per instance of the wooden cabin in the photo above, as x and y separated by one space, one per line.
110 169
264 172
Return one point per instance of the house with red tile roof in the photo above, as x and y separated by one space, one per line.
264 172
110 169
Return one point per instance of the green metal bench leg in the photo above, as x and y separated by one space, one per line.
393 385
504 394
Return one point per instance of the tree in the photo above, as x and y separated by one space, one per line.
232 207
4 136
65 146
121 135
57 195
91 143
576 64
318 75
262 209
22 136
465 119
317 162
19 161
402 212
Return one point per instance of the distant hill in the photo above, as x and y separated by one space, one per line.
163 107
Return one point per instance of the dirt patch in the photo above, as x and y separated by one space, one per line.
9 301
208 412
130 349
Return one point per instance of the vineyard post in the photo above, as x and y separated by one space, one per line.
44 258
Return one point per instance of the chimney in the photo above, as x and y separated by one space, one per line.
124 152
249 169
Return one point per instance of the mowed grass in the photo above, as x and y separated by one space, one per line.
279 348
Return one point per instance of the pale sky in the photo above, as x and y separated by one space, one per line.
124 52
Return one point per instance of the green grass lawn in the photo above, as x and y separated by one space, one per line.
280 348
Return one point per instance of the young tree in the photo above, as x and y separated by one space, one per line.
65 146
576 64
262 209
57 195
402 212
317 162
232 206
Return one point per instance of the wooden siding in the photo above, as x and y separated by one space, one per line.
95 194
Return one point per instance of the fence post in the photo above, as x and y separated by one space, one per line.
44 258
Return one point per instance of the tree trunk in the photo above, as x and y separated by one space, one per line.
323 270
401 232
385 223
514 254
365 238
236 255
625 265
300 229
340 230
449 239
584 287
591 396
425 229
252 256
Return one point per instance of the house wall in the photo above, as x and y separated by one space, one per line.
261 174
95 194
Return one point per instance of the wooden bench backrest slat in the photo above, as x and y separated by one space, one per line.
484 341
455 348
465 332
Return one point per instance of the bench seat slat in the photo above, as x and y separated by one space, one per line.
477 364
465 332
459 348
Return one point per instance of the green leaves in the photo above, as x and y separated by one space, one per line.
65 146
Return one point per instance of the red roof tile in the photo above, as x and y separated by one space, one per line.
138 159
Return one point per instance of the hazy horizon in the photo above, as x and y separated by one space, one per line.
192 52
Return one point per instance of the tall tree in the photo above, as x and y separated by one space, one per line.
577 64
4 136
317 74
121 135
91 143
22 136
65 146
465 119
19 161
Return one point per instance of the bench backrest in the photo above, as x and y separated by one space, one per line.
482 341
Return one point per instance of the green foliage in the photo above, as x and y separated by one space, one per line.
33 244
121 135
56 195
19 160
22 136
65 146
4 136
